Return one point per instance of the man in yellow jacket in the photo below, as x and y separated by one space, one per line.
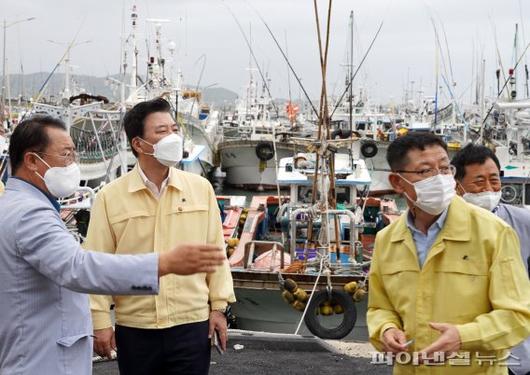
448 293
155 206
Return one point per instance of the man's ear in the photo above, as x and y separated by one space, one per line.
397 182
135 144
31 161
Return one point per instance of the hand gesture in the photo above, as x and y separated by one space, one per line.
188 259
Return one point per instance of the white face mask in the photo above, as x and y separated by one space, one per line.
61 181
487 199
169 150
434 194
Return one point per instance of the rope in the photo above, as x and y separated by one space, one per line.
311 296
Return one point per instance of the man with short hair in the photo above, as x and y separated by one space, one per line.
446 277
479 182
155 206
45 325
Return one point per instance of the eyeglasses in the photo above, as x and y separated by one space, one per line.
430 172
69 157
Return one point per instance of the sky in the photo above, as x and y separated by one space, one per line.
204 31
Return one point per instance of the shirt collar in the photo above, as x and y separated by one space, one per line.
50 197
455 227
137 182
151 185
439 223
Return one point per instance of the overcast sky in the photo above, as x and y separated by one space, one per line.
405 47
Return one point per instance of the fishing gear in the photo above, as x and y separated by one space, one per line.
287 61
505 84
254 58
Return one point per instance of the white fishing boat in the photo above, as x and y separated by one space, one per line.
510 134
254 142
95 126
199 122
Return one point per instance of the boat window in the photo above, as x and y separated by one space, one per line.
343 194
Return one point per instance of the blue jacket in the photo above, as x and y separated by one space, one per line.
45 325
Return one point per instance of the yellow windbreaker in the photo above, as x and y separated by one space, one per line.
473 277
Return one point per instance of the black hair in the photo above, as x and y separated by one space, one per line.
472 154
133 120
31 135
397 151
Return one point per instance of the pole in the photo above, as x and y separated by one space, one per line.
2 103
66 92
437 70
351 73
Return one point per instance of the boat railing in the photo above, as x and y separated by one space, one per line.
253 247
83 198
311 213
87 147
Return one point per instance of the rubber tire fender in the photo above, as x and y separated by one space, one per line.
369 149
264 151
349 316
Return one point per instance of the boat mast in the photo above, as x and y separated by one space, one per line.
513 71
350 75
437 74
527 94
482 95
134 63
251 78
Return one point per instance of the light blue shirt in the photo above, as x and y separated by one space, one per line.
45 325
423 241
519 219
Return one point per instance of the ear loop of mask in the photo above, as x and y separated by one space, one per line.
405 193
41 159
461 187
150 144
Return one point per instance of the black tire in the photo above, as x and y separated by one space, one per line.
265 151
342 134
349 316
336 134
369 149
346 134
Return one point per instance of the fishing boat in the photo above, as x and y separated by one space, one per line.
509 134
97 132
199 122
287 249
254 141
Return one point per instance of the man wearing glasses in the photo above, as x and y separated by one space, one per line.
479 183
154 206
446 282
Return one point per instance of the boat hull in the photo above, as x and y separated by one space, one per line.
243 167
264 310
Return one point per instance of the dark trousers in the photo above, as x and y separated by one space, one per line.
183 350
